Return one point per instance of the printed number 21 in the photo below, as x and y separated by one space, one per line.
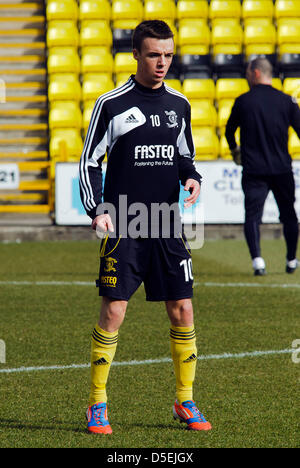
187 265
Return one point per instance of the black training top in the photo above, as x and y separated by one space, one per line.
264 116
146 134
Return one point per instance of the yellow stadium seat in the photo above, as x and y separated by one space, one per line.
94 10
96 59
226 37
230 88
288 36
62 10
124 63
188 9
174 83
88 107
206 143
63 59
95 33
94 85
277 84
291 86
125 24
203 114
121 78
65 114
126 10
62 33
258 9
224 148
68 137
194 37
194 88
225 9
62 88
294 145
159 9
286 9
224 110
259 38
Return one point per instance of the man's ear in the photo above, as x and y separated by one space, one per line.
135 54
257 74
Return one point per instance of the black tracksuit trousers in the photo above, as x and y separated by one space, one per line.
256 189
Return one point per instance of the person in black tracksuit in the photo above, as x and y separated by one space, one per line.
264 116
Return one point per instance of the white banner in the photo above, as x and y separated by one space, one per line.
221 200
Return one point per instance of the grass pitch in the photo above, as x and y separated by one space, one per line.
251 400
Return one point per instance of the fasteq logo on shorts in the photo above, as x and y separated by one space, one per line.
110 281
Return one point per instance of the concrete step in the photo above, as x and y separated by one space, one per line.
21 9
18 119
19 132
21 76
15 22
19 105
22 48
32 114
24 93
6 154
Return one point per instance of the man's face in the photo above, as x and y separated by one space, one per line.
154 60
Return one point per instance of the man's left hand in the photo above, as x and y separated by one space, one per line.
193 187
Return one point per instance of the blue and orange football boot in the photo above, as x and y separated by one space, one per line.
188 413
97 419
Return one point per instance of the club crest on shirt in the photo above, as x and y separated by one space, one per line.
110 264
172 116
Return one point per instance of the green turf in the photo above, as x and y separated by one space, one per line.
250 401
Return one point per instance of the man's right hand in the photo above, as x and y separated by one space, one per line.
236 154
103 223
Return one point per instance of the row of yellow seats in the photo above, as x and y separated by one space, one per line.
67 144
193 37
91 59
67 86
119 10
228 36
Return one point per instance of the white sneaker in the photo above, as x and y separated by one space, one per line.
259 266
292 265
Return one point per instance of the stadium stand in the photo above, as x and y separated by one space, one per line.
23 108
58 56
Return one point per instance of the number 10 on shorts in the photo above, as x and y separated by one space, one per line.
188 269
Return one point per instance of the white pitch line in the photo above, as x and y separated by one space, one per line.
47 283
250 285
150 361
205 284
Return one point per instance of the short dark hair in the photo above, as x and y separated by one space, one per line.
152 28
262 64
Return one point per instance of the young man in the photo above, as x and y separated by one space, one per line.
145 129
264 115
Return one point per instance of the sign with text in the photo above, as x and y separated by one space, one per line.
221 200
9 176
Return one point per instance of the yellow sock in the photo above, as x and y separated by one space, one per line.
184 355
104 345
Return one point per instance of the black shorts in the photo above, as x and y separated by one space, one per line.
163 265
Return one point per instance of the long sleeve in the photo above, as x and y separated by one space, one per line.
295 117
186 151
90 168
232 124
